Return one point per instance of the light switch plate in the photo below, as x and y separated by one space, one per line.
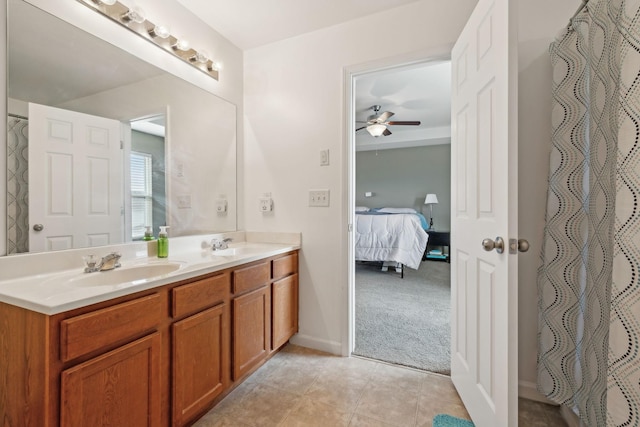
324 157
319 198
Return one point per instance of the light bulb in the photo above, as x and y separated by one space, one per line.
161 31
135 14
181 44
200 57
376 130
215 66
108 2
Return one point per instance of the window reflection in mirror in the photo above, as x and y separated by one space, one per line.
147 176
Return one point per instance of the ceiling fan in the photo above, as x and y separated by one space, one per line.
376 124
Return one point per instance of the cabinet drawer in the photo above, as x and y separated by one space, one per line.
193 297
91 331
250 278
285 266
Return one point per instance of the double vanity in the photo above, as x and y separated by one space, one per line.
154 342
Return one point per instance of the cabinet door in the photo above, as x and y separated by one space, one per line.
119 388
251 330
200 362
284 310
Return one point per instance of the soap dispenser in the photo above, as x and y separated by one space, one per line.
148 234
163 242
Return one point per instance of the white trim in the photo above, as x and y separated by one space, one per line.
438 53
333 347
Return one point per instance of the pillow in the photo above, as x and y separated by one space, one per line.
397 210
362 209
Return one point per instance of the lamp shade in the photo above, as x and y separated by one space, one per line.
376 130
431 199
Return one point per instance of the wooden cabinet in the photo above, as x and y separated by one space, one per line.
284 299
284 310
161 357
265 311
201 345
251 332
121 387
200 362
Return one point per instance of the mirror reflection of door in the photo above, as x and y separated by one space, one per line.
147 176
75 180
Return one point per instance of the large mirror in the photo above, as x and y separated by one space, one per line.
154 148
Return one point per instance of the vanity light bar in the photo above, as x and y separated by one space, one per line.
121 14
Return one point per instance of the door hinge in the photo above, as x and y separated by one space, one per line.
350 228
121 145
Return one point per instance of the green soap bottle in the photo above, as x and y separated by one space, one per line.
163 242
148 234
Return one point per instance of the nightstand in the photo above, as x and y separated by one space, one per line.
438 240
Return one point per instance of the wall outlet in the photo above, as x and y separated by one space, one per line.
221 205
266 204
319 198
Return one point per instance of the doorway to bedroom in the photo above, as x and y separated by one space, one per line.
401 193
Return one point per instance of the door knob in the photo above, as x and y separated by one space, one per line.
490 245
38 227
520 245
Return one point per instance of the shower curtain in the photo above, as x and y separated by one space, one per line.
588 282
17 208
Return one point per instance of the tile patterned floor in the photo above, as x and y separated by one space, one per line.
303 387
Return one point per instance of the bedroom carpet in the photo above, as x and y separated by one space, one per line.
404 321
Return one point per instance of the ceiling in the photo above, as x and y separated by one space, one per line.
419 92
252 23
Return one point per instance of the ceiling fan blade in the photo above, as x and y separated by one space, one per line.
386 132
405 123
363 127
384 116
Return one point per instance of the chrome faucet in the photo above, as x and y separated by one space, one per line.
219 244
106 263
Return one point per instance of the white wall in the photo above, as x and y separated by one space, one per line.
293 109
539 23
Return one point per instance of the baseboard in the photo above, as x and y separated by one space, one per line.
529 390
317 344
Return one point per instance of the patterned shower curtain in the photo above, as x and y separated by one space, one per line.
588 283
17 185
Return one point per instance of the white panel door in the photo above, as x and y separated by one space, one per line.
75 180
484 365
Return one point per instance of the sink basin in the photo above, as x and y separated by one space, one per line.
235 251
133 274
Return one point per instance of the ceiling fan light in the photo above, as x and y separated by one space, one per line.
376 130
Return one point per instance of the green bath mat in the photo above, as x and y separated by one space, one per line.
441 420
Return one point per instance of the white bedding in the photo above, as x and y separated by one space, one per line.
398 237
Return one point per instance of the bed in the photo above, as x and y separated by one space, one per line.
390 235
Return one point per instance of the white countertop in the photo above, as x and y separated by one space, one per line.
56 290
